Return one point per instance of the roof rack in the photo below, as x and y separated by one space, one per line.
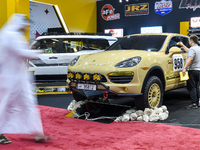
76 33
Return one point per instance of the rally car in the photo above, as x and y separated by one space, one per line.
140 66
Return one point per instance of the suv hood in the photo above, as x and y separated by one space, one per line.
111 57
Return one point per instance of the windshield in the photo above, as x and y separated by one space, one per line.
140 42
70 45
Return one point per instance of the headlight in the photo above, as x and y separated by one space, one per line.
129 62
74 61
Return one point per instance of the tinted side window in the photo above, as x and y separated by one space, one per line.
175 40
48 45
186 42
74 45
97 44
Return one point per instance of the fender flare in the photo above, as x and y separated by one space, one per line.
148 74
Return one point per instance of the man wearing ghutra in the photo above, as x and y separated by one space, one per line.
18 112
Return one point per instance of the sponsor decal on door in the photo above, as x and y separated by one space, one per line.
178 62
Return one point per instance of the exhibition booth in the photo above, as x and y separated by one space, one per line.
109 75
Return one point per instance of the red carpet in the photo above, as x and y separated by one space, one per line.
77 134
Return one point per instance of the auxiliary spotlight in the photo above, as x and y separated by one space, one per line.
78 76
86 76
96 77
71 75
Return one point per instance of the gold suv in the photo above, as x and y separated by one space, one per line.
140 66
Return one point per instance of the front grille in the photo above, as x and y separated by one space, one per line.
121 79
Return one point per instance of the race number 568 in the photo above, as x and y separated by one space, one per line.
178 62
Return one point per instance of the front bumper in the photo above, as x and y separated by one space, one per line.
102 91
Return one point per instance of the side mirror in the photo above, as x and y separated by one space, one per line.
174 50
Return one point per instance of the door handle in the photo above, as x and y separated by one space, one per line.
53 57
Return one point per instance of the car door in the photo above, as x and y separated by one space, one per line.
175 63
47 62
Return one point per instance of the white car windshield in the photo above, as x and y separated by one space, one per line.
71 45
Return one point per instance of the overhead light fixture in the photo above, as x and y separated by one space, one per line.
127 0
120 1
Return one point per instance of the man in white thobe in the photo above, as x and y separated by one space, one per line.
18 112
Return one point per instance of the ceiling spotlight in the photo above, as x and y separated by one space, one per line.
120 1
127 0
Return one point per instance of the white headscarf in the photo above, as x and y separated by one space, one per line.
11 29
14 24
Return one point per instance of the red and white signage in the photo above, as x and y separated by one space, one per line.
186 4
107 13
115 32
195 22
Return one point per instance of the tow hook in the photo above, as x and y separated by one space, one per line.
105 94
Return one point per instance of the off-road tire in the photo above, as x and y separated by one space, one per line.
152 94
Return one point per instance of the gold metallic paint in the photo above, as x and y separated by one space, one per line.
105 62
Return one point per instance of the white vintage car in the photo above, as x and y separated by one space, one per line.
60 50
